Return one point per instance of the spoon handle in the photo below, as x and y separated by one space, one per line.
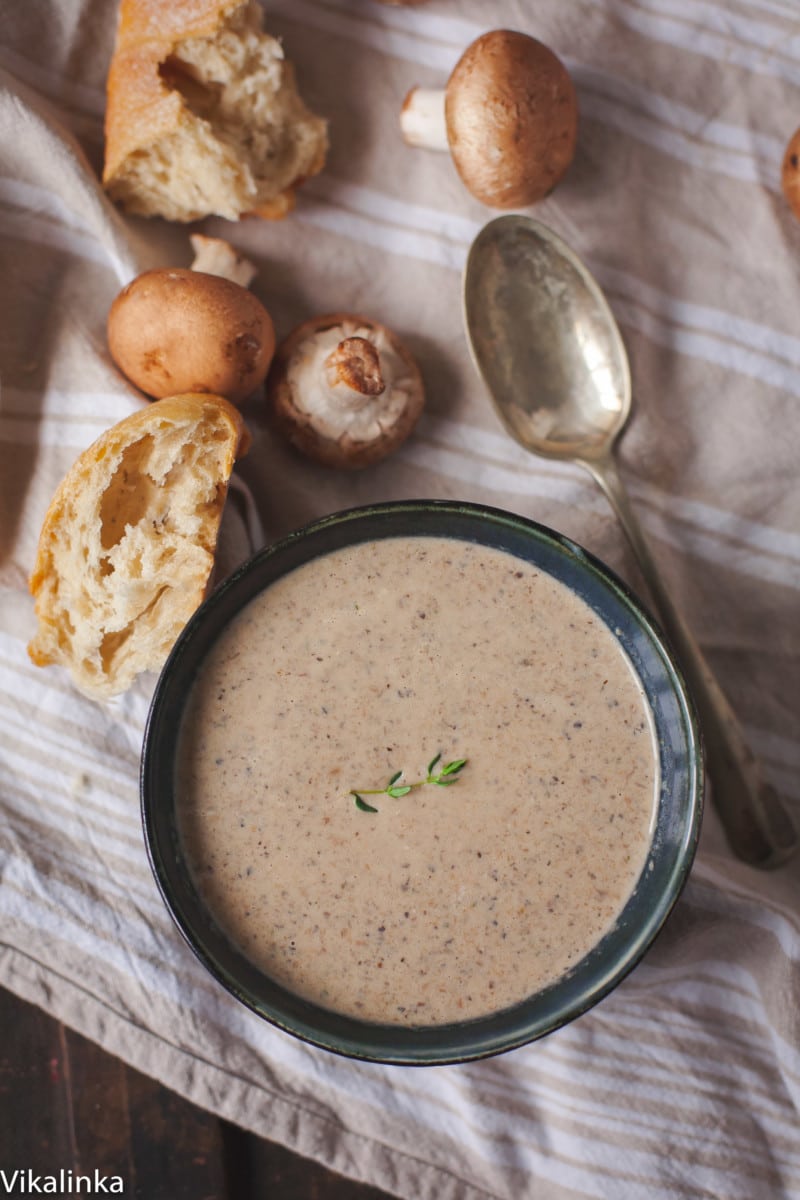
759 828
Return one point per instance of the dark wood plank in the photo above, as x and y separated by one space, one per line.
34 1115
66 1103
94 1106
176 1148
262 1170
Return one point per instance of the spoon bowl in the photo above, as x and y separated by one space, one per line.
547 346
545 341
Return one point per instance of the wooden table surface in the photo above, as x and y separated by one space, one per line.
66 1103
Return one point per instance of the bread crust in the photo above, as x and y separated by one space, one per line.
140 109
143 111
127 543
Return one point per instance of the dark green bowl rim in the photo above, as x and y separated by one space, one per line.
660 884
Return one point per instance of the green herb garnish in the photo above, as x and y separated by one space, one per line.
443 778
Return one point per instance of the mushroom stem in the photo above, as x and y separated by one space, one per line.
215 256
353 373
422 120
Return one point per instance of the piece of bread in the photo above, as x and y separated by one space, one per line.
127 545
203 115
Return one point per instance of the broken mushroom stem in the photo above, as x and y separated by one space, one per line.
353 374
215 256
422 119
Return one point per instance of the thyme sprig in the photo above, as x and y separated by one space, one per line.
446 776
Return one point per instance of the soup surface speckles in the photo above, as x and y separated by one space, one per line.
449 902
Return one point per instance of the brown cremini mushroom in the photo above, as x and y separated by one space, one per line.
790 175
509 116
344 390
175 330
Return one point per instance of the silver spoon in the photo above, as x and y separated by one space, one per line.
550 353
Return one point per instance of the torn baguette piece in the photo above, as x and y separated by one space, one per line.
127 545
203 114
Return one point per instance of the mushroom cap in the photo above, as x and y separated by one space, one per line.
790 174
175 330
512 119
301 404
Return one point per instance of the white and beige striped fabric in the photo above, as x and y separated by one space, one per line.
685 1082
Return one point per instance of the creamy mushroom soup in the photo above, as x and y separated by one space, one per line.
483 882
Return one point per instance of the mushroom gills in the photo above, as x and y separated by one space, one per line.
334 382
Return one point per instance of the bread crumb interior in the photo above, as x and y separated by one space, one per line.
132 551
246 136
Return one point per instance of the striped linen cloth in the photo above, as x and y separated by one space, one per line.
685 1082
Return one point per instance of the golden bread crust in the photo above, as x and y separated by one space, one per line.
161 109
140 108
127 544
